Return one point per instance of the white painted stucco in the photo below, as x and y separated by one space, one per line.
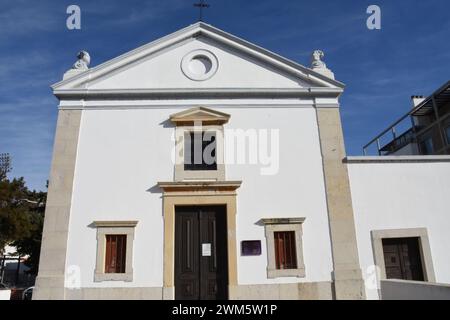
163 70
122 154
398 195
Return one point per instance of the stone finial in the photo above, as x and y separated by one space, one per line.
316 61
318 65
84 59
82 64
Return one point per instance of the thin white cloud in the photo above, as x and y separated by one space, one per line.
116 15
13 62
21 17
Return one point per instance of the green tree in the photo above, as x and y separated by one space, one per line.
30 245
21 219
15 218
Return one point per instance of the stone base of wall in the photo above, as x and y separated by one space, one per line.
349 284
114 294
350 289
49 288
283 291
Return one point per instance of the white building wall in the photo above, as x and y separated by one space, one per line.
162 70
398 195
122 154
296 190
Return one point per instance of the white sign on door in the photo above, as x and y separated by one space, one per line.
206 249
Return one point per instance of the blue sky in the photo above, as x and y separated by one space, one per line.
381 68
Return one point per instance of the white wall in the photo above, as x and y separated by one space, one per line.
396 195
297 190
162 70
413 290
122 154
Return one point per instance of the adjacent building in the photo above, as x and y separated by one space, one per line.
429 130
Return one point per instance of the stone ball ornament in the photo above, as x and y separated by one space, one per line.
84 59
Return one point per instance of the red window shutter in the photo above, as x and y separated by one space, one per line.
285 250
115 253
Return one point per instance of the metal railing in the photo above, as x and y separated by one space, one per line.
393 130
429 105
401 141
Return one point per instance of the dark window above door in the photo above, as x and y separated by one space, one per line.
200 150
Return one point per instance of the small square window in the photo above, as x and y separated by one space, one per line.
284 247
115 255
200 151
114 250
285 251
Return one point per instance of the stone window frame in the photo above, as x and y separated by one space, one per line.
282 225
180 173
105 228
198 119
424 248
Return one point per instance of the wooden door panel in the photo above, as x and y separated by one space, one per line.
187 269
214 268
392 261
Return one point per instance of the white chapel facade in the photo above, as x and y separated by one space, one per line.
135 211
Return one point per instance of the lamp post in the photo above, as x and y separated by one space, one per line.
5 164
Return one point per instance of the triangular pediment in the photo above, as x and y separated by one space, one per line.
199 115
160 68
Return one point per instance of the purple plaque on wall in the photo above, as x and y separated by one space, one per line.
251 248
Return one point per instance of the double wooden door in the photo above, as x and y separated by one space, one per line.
201 264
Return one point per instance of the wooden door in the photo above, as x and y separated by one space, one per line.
402 259
201 264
